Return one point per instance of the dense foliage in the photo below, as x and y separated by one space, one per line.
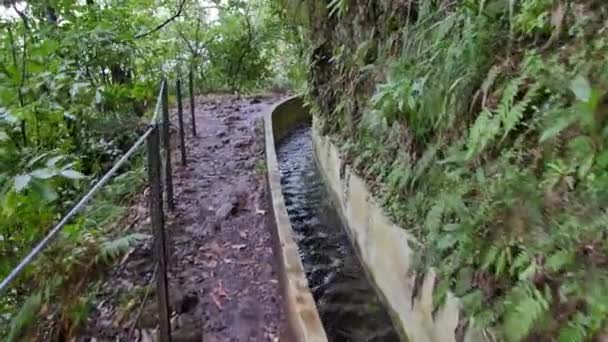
483 127
70 73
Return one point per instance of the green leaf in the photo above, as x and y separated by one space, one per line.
99 95
44 190
47 47
3 136
559 124
44 173
53 161
38 158
585 166
581 88
72 174
25 316
559 259
77 88
446 241
21 182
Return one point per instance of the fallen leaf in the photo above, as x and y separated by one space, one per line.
215 248
218 294
209 263
217 301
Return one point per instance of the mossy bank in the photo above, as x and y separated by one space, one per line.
481 127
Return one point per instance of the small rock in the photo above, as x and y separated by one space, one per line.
183 302
187 335
149 316
227 209
248 164
242 143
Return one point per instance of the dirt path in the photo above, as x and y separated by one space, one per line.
223 277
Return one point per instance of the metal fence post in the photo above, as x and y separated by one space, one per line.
191 86
158 226
167 146
180 116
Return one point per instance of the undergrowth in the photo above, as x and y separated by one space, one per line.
483 128
53 297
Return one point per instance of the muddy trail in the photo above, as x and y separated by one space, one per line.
223 279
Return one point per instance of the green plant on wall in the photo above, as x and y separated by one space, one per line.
482 125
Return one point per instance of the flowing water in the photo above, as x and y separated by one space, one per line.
348 305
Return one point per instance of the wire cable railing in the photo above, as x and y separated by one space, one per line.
159 179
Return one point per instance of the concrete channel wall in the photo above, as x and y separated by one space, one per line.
383 247
303 317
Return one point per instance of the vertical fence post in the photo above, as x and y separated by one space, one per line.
167 147
180 116
158 226
191 86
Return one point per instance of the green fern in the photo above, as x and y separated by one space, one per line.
25 317
520 262
572 332
113 248
558 260
488 83
483 131
511 113
524 306
339 7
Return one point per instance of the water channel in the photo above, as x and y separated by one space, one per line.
348 305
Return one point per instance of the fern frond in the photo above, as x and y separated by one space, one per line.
112 249
25 317
338 7
574 331
488 83
483 131
559 259
524 306
521 261
490 256
435 216
511 114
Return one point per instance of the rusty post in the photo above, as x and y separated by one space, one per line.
158 226
192 109
180 116
166 135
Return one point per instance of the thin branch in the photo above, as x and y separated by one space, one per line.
4 70
26 28
11 39
198 30
246 50
190 47
165 23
